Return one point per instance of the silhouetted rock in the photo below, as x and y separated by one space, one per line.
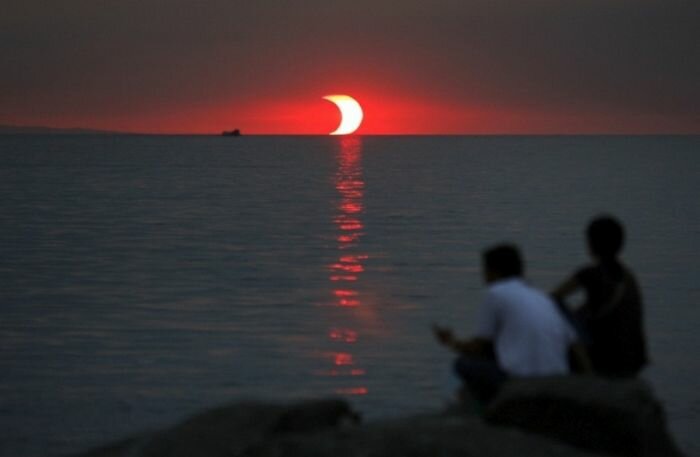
420 436
230 430
606 418
616 417
234 132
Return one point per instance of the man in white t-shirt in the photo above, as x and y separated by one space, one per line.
520 332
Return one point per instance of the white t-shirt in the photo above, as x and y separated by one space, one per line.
530 336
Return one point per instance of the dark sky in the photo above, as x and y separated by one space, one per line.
443 66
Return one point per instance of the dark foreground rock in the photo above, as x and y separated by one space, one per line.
329 427
231 430
618 417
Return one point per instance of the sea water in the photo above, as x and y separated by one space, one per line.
145 278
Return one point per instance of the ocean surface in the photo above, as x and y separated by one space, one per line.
145 278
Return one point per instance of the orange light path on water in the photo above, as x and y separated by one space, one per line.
347 270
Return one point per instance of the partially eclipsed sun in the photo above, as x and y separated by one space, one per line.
350 113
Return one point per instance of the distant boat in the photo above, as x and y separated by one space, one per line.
235 132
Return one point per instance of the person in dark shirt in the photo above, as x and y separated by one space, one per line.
611 317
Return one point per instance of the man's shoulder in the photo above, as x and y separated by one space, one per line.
513 284
516 289
508 287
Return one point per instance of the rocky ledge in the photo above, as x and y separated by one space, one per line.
545 417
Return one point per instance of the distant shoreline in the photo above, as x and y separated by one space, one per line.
40 130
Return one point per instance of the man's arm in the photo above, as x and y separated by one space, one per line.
579 360
474 346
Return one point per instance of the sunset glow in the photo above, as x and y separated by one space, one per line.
484 67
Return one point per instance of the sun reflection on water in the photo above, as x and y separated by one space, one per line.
345 273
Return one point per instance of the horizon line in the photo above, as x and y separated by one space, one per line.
29 130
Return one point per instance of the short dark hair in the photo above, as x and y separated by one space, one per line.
605 237
503 259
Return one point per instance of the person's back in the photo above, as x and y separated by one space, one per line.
530 336
612 314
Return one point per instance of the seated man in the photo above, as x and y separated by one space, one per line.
520 331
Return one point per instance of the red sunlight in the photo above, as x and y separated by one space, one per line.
336 373
349 224
349 185
386 112
344 293
349 264
274 114
343 358
348 303
351 207
344 335
355 268
347 239
336 278
352 391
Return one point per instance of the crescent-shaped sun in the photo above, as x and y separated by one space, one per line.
350 113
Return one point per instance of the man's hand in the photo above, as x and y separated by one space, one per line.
475 346
444 335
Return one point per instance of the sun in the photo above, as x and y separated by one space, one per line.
350 114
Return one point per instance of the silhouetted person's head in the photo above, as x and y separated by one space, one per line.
605 238
502 261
